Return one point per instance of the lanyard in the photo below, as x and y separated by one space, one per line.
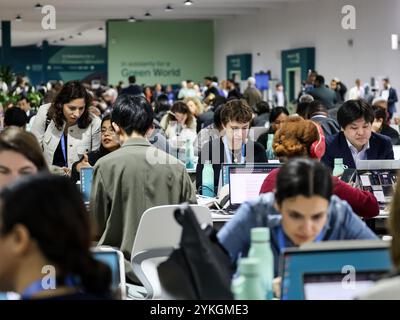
281 238
228 152
64 149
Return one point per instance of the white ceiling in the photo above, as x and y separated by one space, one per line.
87 16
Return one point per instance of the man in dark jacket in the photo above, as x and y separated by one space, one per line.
322 93
356 141
133 88
318 113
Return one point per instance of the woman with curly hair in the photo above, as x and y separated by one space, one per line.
65 129
297 138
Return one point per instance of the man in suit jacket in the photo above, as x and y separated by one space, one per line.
234 146
134 178
133 88
317 112
390 95
356 141
322 93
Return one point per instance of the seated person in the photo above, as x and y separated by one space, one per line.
302 210
277 117
234 146
297 138
59 235
356 141
389 288
15 117
380 126
109 143
318 113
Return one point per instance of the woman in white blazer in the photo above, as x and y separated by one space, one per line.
65 129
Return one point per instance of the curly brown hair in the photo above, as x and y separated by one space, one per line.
295 138
70 91
236 110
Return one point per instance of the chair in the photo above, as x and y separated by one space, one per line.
157 236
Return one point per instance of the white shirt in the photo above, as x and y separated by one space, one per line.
356 93
362 155
385 93
280 99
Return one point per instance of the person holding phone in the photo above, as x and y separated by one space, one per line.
109 143
65 128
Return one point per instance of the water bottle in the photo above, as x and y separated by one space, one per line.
269 151
338 169
261 249
248 285
207 180
189 154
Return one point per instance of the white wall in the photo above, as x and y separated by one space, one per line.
317 24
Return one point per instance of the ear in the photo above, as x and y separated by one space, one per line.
116 127
20 239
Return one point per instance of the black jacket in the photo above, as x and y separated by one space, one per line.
215 151
93 156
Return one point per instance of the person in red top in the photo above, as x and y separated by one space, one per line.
297 138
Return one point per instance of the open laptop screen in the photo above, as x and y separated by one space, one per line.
245 181
86 183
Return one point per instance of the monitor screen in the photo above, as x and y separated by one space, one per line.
345 261
245 181
86 183
335 286
262 81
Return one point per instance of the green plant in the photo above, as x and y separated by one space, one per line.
6 75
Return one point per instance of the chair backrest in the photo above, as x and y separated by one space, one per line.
157 235
159 229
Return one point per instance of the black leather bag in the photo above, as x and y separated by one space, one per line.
200 268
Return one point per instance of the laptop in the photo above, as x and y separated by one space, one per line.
86 176
326 269
115 260
245 181
338 286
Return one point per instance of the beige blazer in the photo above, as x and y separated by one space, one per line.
79 140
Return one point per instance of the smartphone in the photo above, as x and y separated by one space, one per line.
86 182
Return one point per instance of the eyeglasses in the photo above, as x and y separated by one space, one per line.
109 130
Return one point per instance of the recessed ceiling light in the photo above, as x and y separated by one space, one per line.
38 6
62 39
131 19
101 28
168 8
147 14
79 33
18 18
70 37
188 3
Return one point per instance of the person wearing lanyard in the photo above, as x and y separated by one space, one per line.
234 146
48 256
301 210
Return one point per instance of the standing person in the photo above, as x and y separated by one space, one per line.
134 178
65 128
252 95
390 95
132 88
279 96
56 232
322 93
356 92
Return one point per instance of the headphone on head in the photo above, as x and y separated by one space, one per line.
317 149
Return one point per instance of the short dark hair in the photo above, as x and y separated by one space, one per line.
352 110
15 117
302 176
60 225
208 78
132 79
276 112
320 79
262 107
236 110
302 109
379 113
132 113
314 107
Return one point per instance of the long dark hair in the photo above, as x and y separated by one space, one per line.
59 224
306 177
24 143
70 91
181 107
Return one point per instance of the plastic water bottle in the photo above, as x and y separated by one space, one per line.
338 169
189 154
248 285
270 151
260 248
207 176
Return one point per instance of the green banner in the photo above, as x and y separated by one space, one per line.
160 51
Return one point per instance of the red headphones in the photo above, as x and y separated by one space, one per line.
317 148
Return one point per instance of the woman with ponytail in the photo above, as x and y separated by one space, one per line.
45 247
